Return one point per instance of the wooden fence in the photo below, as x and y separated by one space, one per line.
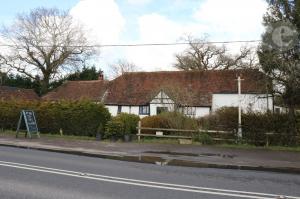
190 136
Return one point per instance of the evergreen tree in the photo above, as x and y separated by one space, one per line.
279 54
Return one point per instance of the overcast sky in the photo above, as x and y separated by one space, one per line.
153 21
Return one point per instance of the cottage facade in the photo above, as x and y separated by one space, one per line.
194 93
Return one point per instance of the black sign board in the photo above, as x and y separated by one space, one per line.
27 120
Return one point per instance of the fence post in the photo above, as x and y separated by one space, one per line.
139 130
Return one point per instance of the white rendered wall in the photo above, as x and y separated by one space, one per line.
161 100
135 110
202 111
253 101
112 109
153 108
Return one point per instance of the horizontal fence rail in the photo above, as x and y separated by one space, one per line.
140 134
216 135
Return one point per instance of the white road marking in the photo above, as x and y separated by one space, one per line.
128 181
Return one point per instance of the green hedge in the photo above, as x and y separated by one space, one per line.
73 117
122 124
169 120
255 126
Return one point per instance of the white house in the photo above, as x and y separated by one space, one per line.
195 93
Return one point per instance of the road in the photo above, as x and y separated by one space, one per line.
26 173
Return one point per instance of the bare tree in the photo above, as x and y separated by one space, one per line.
45 43
202 55
121 67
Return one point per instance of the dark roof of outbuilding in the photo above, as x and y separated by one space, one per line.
76 90
14 93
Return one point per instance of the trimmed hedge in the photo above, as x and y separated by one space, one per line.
122 124
255 126
73 117
169 120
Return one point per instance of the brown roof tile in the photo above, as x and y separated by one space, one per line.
194 87
14 93
76 90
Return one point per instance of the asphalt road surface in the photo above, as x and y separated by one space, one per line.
26 173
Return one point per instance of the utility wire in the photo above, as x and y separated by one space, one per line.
147 44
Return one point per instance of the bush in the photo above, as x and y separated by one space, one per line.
114 129
203 138
129 123
73 117
225 118
155 121
122 124
177 120
169 120
255 126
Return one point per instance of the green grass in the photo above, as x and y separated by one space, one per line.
158 141
161 141
49 135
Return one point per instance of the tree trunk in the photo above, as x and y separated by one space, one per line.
45 84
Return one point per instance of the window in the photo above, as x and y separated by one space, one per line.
189 110
144 110
161 110
119 109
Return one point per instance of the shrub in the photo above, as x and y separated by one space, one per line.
114 129
169 120
225 118
203 138
129 122
73 117
255 126
177 120
155 121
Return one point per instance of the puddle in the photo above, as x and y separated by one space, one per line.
144 159
217 155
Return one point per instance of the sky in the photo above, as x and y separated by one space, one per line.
152 21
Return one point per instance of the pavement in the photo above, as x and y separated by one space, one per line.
167 154
35 174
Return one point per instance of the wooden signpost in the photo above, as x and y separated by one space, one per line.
27 120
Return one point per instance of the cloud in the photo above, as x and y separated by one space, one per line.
104 24
221 20
102 19
232 19
139 2
155 28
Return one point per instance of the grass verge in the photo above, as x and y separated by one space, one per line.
160 141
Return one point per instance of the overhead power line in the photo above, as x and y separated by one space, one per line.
148 44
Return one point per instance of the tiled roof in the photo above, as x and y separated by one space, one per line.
76 90
14 93
194 88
